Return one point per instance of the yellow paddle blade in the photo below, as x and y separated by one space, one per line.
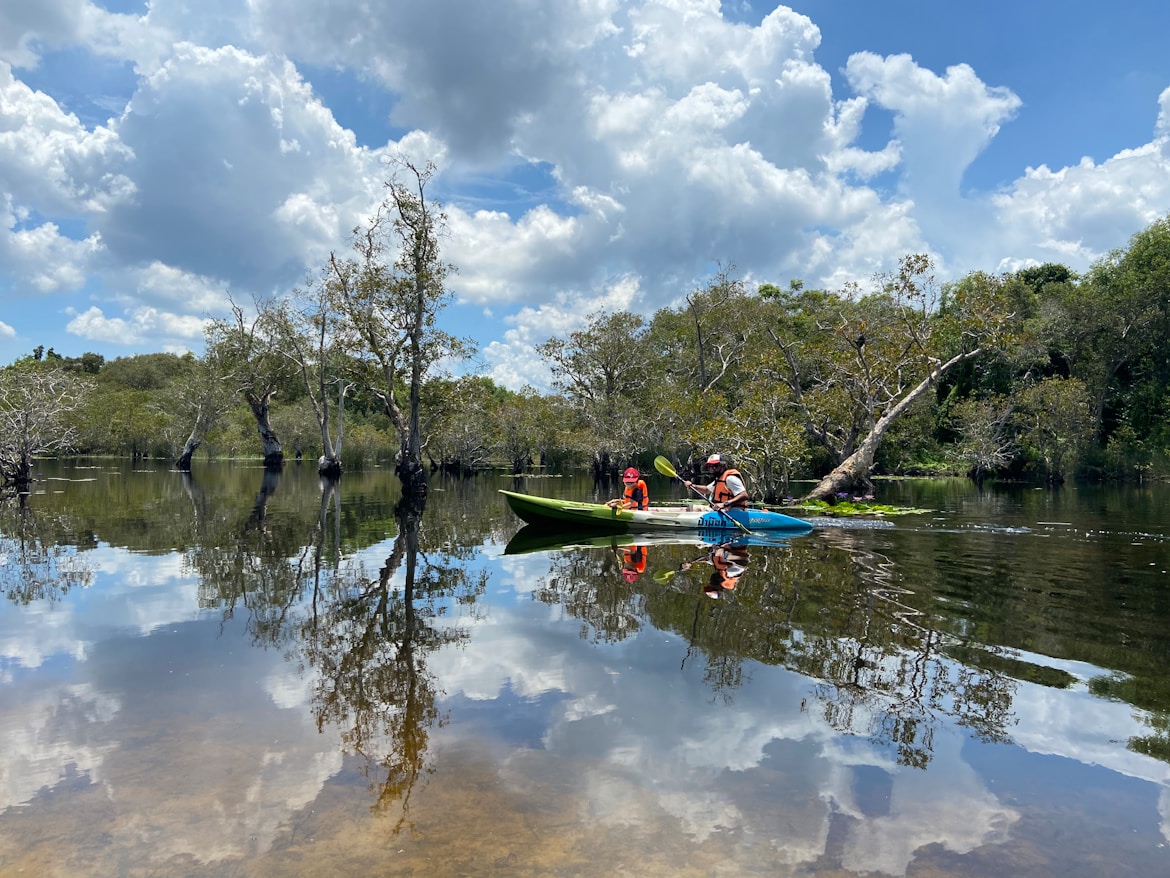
663 466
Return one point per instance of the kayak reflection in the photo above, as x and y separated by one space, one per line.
535 539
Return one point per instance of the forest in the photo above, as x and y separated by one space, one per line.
1037 374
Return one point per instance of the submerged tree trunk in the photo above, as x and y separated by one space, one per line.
273 450
329 464
17 474
183 463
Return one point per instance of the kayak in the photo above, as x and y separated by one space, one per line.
533 538
548 513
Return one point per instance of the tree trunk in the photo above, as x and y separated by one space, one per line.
410 467
329 464
183 464
273 450
17 474
853 471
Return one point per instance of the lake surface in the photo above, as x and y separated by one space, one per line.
234 674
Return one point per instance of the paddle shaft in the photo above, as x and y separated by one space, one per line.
665 467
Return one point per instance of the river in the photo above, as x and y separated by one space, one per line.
246 674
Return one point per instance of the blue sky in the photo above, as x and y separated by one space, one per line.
593 154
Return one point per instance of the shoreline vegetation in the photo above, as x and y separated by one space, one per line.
1039 376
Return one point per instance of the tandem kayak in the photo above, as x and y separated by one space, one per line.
548 513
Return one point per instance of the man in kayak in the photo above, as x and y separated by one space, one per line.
728 490
636 495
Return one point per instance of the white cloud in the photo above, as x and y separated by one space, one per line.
211 176
664 138
658 754
49 160
1162 127
146 324
51 735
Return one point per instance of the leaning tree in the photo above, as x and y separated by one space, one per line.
853 364
254 365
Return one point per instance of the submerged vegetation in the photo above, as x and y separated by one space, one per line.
1037 374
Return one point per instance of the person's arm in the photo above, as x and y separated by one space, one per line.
706 489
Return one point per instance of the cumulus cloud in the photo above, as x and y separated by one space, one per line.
636 138
240 172
144 324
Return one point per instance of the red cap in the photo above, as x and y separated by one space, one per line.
630 475
714 459
629 575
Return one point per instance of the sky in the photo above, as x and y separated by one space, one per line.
593 155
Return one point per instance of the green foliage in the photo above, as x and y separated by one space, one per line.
144 371
1036 373
1054 424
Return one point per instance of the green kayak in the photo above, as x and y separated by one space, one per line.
548 513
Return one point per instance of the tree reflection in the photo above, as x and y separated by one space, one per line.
368 638
250 561
830 609
39 556
363 637
591 587
881 668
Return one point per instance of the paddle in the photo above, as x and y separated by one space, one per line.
664 576
665 467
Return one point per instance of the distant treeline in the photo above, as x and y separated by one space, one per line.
1037 374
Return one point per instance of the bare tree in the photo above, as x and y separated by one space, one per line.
202 395
306 329
35 403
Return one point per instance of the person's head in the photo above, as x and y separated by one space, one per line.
716 463
715 587
719 583
630 476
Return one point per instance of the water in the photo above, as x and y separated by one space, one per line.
229 675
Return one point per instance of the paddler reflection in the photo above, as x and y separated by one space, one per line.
729 562
633 560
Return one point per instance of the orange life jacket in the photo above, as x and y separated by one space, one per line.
721 494
636 496
634 558
729 565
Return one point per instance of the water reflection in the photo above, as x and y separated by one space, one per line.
266 667
368 642
38 560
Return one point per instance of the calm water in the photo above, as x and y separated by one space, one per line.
230 675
